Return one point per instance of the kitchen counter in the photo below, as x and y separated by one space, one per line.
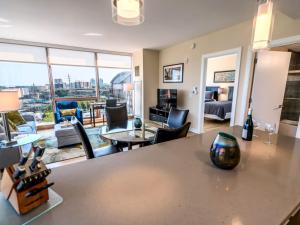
176 183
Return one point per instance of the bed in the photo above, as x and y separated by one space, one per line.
215 109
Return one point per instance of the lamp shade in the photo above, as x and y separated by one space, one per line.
128 12
9 101
128 87
221 90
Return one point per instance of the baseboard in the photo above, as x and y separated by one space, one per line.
194 130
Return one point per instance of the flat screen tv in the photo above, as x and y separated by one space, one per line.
166 98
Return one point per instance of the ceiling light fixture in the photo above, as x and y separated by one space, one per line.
128 12
263 25
93 34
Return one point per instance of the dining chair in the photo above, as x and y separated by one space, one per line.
117 117
177 118
168 134
111 102
90 152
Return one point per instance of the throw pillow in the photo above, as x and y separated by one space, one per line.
15 119
68 112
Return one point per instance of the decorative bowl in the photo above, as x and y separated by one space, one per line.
225 151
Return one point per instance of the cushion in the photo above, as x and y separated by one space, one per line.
68 112
15 119
209 95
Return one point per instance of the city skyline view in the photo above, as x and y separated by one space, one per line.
26 74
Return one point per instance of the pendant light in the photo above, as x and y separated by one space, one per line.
128 12
263 24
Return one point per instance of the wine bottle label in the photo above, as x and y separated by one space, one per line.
245 134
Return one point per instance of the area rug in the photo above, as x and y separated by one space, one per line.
53 154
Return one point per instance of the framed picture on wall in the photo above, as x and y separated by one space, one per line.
224 76
173 73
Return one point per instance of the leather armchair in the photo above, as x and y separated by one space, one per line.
177 118
116 117
67 105
167 134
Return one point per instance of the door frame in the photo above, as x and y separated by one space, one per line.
203 76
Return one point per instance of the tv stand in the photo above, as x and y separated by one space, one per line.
158 114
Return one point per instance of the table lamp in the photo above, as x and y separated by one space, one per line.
9 101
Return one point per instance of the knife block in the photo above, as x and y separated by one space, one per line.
18 199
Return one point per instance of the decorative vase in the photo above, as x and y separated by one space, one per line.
225 151
138 123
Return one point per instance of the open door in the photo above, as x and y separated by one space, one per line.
269 84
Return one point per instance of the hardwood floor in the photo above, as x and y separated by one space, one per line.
215 124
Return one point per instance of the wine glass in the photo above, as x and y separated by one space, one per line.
270 129
256 126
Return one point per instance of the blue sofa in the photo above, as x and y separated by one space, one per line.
67 105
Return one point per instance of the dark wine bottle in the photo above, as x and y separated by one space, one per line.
248 127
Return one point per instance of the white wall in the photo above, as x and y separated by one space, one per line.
223 63
229 38
148 61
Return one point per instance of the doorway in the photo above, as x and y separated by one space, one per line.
219 86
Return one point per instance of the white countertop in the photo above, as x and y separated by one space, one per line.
176 183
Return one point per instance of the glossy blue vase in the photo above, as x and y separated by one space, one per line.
138 123
225 151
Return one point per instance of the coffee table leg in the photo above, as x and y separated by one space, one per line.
129 146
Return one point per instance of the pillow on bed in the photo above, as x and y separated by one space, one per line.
209 95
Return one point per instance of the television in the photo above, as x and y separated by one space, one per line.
166 98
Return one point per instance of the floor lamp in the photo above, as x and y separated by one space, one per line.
128 88
9 102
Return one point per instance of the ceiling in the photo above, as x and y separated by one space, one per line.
166 21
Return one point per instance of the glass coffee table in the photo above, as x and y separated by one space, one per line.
129 135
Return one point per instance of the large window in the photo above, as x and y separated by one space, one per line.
33 83
114 72
73 72
74 81
75 75
24 68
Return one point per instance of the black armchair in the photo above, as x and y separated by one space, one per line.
167 134
90 152
177 118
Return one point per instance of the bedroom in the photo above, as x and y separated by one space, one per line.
219 90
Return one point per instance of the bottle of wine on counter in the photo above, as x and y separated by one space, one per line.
248 127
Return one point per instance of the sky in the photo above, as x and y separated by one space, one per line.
25 74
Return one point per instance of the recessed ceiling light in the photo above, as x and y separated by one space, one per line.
6 25
93 34
2 20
